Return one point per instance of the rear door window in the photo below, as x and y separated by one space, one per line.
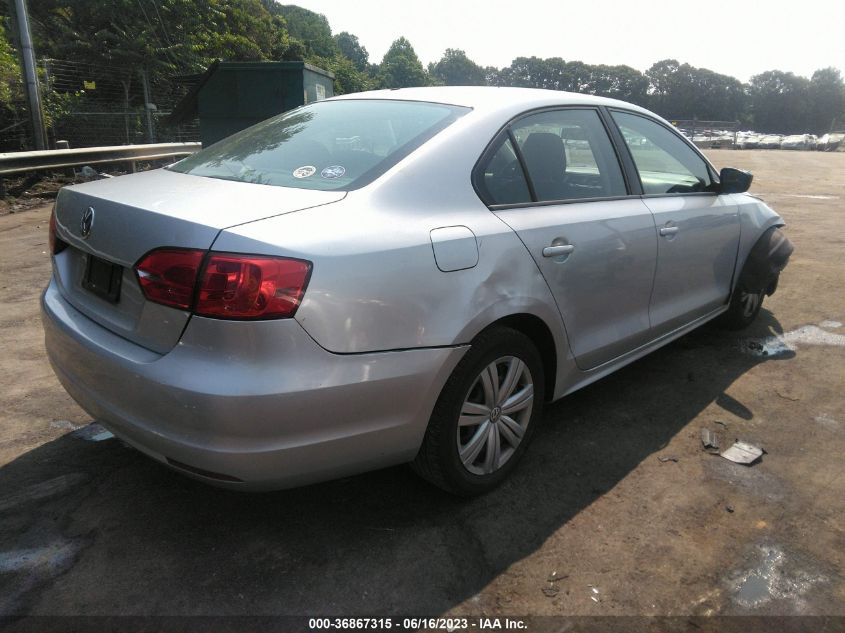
568 155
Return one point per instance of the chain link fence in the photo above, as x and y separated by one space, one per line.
96 105
102 105
15 127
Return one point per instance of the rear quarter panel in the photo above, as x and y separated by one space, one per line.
376 286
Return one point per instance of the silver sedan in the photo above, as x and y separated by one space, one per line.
389 277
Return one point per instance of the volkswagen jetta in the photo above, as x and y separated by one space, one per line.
394 276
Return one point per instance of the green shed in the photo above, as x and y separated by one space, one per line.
231 96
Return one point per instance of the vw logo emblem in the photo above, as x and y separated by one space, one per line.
87 222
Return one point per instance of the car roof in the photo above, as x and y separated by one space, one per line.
491 98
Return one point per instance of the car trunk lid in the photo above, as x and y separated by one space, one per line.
133 215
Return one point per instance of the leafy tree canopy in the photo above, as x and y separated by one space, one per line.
10 72
312 29
683 91
456 69
164 37
827 99
351 49
347 78
779 102
401 68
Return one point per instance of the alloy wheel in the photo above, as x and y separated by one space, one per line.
495 415
749 302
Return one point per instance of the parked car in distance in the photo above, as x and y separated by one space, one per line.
799 141
393 276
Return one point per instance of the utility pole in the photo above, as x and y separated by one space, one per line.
30 74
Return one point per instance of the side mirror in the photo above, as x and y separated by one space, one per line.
734 180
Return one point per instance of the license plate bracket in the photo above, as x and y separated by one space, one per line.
102 278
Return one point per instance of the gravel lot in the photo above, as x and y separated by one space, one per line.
90 527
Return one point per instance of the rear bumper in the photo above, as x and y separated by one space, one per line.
253 405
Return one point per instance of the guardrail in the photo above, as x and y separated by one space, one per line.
21 162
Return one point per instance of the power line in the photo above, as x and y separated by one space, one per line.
163 28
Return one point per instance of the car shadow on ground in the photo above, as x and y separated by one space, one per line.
96 528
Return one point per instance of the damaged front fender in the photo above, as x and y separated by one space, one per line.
767 258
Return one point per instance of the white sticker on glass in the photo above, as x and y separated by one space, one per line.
304 172
333 171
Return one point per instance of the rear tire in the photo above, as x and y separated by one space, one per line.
485 415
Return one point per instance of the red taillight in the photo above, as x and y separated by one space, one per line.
56 245
169 276
231 286
251 287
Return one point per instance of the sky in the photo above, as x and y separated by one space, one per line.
740 38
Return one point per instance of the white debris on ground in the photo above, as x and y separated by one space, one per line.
64 425
93 433
774 580
780 344
828 421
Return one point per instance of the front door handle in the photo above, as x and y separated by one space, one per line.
562 249
668 230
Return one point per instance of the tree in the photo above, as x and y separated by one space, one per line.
682 91
617 82
553 73
312 41
10 74
720 97
351 49
827 100
312 29
347 78
163 37
456 69
576 77
401 68
531 72
662 77
779 102
241 30
491 76
13 129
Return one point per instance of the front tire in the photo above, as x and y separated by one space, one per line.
745 306
485 415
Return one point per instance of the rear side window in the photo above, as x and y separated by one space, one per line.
666 164
502 179
330 145
568 155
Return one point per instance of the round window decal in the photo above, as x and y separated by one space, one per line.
304 172
333 171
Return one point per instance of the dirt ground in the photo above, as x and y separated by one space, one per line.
594 522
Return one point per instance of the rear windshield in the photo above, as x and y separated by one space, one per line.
328 146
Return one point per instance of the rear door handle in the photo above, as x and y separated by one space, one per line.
668 230
562 249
